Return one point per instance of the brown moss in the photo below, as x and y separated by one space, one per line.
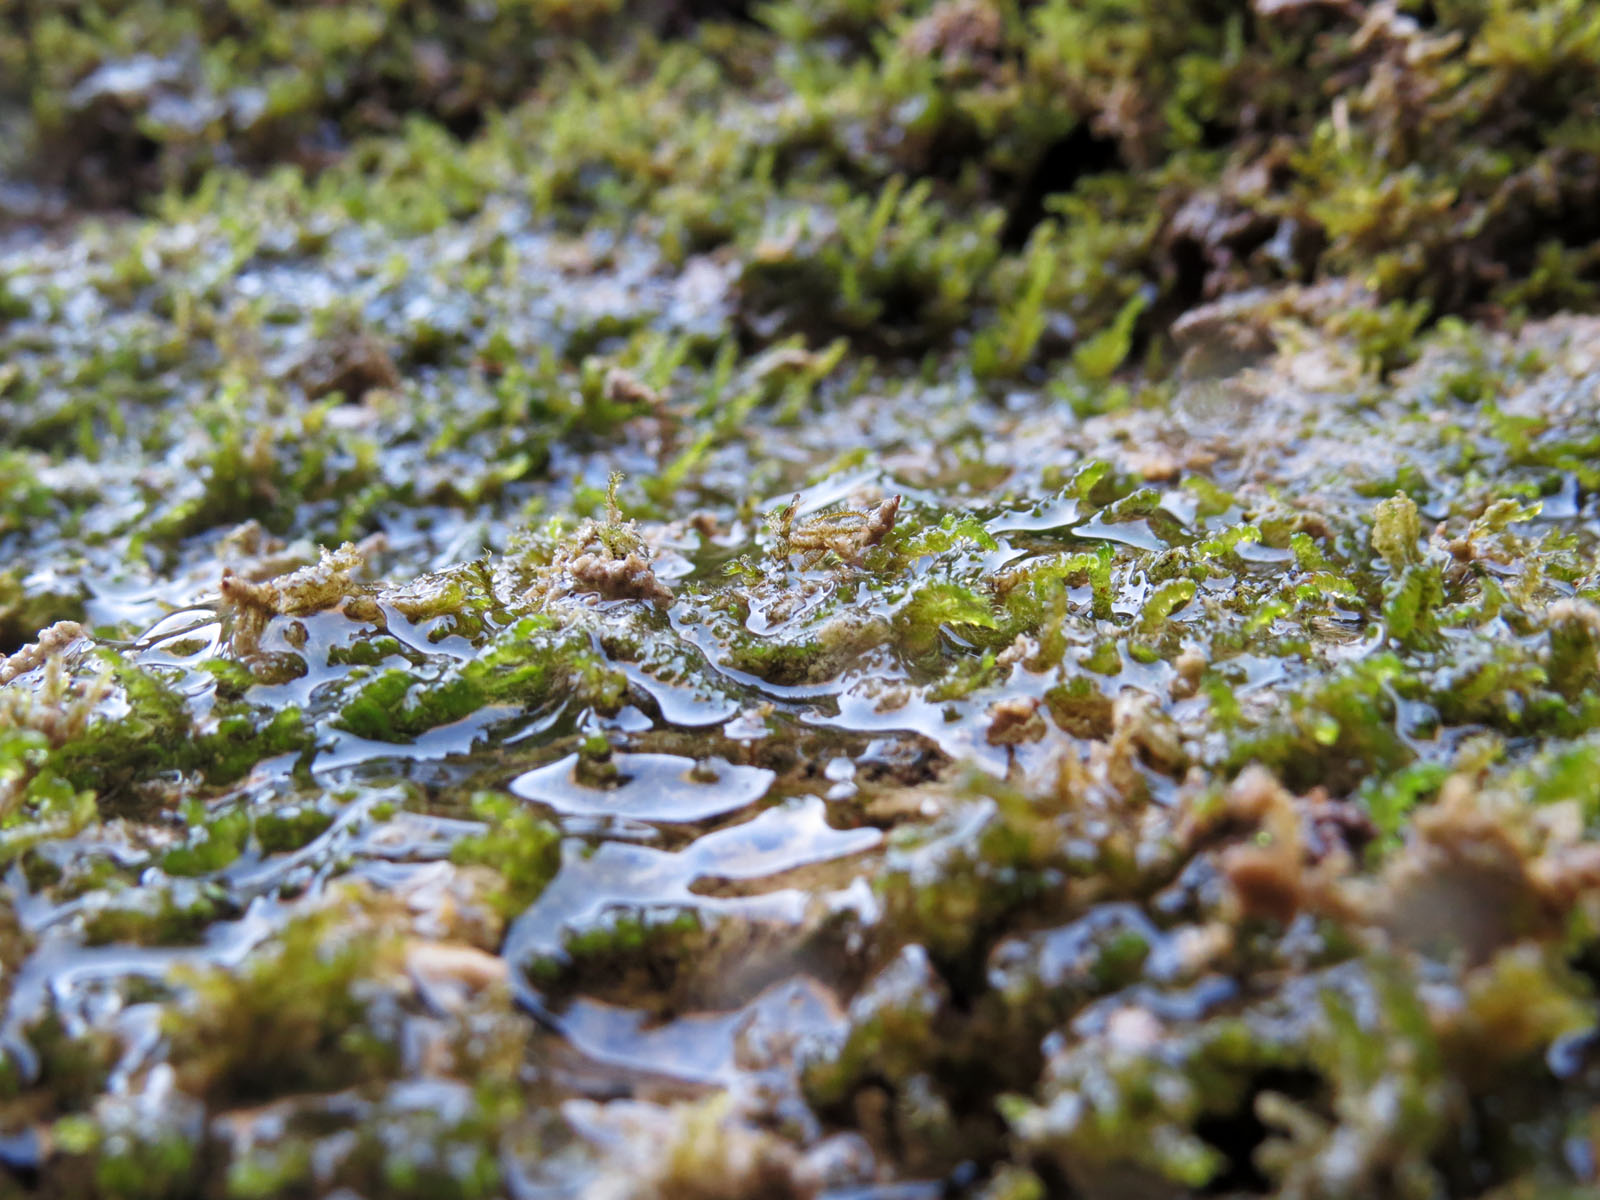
299 593
349 365
1013 721
1140 726
1467 880
1190 666
630 577
1282 871
964 35
251 552
607 557
1573 658
624 387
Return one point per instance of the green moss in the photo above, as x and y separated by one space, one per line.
523 666
652 956
1335 730
1390 799
292 1019
871 264
72 1069
1163 602
1396 530
952 904
246 736
153 735
214 840
130 1168
286 829
268 1172
525 850
938 606
263 77
175 917
892 1037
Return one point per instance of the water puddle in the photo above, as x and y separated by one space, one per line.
342 749
597 882
715 1048
690 705
647 787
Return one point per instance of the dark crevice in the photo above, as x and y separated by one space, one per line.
1055 1181
1188 266
1066 161
679 17
465 124
1218 135
1425 15
1238 1134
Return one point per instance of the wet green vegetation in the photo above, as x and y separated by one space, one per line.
703 600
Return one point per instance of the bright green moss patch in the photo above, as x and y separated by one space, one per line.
523 849
214 840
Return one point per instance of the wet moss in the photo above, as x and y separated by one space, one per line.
150 95
212 840
175 917
1177 666
293 1019
286 828
523 849
634 954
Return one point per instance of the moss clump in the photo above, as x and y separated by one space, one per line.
213 840
523 849
608 558
296 1018
520 667
287 829
636 954
127 1162
149 95
177 916
34 726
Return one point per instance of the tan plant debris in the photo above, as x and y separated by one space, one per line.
1015 720
1190 666
1280 872
306 590
847 533
622 386
351 364
52 640
299 593
960 33
628 578
609 557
